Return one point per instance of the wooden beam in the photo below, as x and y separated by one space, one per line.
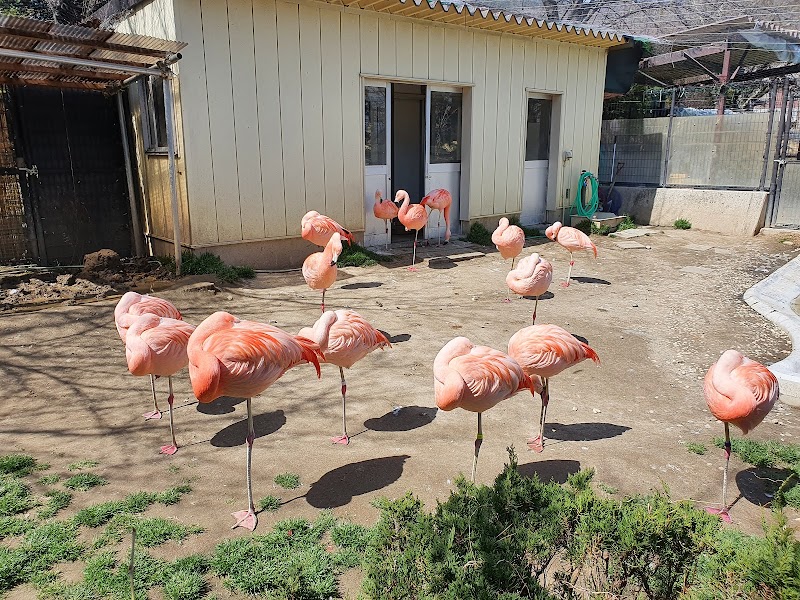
680 56
705 68
46 53
21 69
54 83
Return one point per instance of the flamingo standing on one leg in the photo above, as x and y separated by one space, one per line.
229 357
572 240
509 240
532 277
319 269
739 391
412 216
476 378
157 346
546 350
318 229
440 200
386 210
130 307
344 337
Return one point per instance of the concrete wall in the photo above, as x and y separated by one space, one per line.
735 213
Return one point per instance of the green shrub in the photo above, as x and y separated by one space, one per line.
357 256
628 223
15 496
600 229
207 264
529 231
478 234
585 226
288 481
683 224
13 526
696 448
18 465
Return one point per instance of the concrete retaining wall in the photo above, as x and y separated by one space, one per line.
731 212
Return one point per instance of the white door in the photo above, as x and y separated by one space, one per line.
443 110
377 158
537 154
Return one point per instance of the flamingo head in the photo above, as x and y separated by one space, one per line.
552 231
378 196
335 244
401 196
503 224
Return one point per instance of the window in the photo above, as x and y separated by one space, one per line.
445 127
537 146
374 125
153 115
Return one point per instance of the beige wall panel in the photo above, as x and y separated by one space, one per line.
516 127
369 42
502 126
476 124
465 53
436 53
404 37
387 47
489 117
311 104
330 42
419 51
451 49
352 124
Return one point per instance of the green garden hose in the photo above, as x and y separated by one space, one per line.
581 209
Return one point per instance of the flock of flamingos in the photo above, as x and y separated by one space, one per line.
232 357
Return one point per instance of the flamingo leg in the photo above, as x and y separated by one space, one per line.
535 304
414 255
508 290
247 518
323 301
343 439
173 448
386 230
439 228
155 413
478 442
723 512
537 444
569 273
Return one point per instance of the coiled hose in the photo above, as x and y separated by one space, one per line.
581 209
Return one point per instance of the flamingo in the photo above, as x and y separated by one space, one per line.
572 240
318 229
412 216
546 350
509 240
157 346
319 269
231 357
476 378
130 307
532 277
344 337
386 210
742 392
440 200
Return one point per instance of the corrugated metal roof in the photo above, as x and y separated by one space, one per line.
53 40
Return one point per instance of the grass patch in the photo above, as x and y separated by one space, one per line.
15 496
40 549
478 234
358 256
84 482
82 464
149 532
14 526
18 465
601 229
682 224
207 264
288 481
184 585
173 469
627 223
57 500
269 503
100 514
49 479
608 489
696 448
353 540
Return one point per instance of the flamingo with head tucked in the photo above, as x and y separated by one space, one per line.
318 229
412 216
231 357
440 200
572 240
319 269
386 210
742 392
532 277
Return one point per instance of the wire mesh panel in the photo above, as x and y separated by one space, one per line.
13 240
633 149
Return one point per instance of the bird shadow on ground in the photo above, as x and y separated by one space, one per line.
758 485
550 470
590 280
263 424
339 486
442 263
405 419
220 406
362 285
545 296
583 432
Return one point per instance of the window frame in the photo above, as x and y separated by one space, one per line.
430 127
149 116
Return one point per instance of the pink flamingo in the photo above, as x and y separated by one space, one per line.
344 337
157 346
318 229
230 357
129 308
509 240
476 378
546 350
319 269
412 216
440 200
532 277
572 240
742 392
385 210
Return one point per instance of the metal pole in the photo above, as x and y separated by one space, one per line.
782 161
776 156
79 62
773 92
173 180
135 222
723 79
665 170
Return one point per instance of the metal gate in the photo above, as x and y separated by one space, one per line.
784 203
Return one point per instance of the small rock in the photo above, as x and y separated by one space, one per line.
788 243
596 411
574 408
775 421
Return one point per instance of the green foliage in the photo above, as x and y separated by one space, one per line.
600 229
585 226
628 223
682 224
696 448
353 539
207 264
82 464
15 496
18 465
84 482
269 503
184 585
288 481
608 489
354 255
57 500
529 231
40 549
478 234
149 532
13 526
49 479
100 514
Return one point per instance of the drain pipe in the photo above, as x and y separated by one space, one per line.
138 242
169 113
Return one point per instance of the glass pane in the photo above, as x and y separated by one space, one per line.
157 115
374 125
445 127
537 146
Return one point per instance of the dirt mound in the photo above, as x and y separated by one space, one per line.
102 260
36 292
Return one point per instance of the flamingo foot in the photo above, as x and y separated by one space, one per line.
246 519
565 284
506 300
413 269
170 450
722 512
341 439
156 414
536 444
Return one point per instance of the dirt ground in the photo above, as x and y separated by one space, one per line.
656 327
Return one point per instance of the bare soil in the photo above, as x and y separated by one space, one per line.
657 329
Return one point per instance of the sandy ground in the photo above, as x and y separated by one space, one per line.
68 396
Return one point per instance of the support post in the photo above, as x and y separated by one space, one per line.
136 224
665 170
773 92
724 77
782 160
169 113
776 156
